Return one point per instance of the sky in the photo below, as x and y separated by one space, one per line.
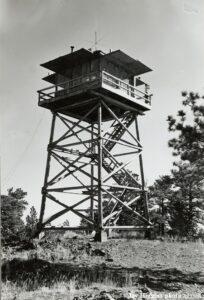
166 35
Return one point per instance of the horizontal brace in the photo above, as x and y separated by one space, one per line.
69 160
73 152
65 228
123 187
127 227
122 143
69 188
86 209
75 105
117 103
127 153
77 143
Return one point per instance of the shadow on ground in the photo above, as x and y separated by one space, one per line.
37 272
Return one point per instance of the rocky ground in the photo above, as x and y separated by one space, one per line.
116 269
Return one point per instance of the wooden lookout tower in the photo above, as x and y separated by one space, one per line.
97 97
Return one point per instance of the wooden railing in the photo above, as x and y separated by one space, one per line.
64 88
68 87
126 88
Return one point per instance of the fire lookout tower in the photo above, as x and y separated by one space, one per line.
96 97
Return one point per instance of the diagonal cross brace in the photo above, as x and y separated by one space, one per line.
70 208
127 206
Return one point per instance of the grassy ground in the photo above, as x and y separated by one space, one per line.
69 291
154 268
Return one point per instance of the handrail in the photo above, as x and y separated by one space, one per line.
68 81
125 83
45 94
129 88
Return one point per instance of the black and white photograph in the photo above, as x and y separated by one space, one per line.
102 149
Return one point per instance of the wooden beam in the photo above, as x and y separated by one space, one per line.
123 187
66 228
112 214
80 120
68 188
129 145
47 170
118 169
62 212
70 208
127 153
117 103
127 227
142 173
66 169
116 118
100 199
126 206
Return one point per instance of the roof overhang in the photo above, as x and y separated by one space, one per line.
133 66
60 64
52 78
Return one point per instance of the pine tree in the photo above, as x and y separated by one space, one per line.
188 173
66 223
31 222
12 208
160 194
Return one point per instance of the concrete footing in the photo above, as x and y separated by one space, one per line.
100 236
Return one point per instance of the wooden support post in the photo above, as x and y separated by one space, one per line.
47 171
92 175
144 192
100 235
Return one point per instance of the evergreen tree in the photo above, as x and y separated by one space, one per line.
31 222
12 207
188 146
66 223
160 194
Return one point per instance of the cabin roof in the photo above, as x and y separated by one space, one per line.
60 64
51 78
67 61
133 66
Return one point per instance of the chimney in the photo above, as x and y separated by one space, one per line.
72 49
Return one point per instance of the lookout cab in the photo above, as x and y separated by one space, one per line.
98 97
80 76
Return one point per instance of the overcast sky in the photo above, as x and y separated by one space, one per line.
166 35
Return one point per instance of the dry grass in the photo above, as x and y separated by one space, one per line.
157 255
59 290
99 291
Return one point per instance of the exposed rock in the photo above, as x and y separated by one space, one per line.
98 252
109 259
26 245
144 290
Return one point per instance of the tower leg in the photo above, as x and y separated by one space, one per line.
92 175
100 234
144 192
47 171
